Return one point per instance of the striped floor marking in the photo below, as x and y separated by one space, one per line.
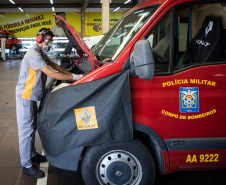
44 167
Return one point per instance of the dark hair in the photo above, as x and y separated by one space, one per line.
45 32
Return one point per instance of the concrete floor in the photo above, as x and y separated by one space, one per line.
10 168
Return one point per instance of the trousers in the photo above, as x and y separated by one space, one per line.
27 125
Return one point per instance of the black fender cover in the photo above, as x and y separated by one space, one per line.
86 114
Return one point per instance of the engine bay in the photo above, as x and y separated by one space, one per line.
82 67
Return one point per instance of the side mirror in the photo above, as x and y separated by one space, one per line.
142 61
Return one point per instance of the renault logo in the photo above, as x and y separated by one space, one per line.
85 116
209 28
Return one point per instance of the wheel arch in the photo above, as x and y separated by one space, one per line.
154 142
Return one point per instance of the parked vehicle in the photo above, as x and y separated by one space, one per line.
175 51
92 40
11 41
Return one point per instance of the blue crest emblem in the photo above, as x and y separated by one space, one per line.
189 99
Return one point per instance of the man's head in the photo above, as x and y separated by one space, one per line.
44 38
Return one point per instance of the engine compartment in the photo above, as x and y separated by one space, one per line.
82 67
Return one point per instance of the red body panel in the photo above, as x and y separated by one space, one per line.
156 103
153 100
10 42
100 72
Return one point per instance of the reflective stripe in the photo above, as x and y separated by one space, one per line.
29 84
211 143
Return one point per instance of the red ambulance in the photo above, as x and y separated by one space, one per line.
11 41
175 50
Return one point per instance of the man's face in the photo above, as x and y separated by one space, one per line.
47 43
48 39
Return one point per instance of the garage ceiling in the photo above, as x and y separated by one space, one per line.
60 5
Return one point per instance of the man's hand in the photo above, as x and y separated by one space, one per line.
76 77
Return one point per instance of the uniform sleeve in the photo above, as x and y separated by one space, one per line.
36 61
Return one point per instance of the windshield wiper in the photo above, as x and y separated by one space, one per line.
108 60
98 57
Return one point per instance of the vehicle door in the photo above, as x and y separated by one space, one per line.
184 103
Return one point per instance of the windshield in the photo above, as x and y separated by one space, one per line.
122 32
13 35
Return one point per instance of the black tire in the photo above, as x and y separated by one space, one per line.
14 47
118 163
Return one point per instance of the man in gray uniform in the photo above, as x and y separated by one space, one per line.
30 88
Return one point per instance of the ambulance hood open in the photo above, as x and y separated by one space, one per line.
76 40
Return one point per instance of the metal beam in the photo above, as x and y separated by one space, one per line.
112 5
84 6
44 5
87 4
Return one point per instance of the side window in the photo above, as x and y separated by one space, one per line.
8 36
182 37
1 35
199 35
160 43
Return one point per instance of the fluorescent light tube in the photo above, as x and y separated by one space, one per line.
53 9
116 9
12 1
127 1
21 9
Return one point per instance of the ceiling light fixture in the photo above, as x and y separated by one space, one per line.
53 9
51 1
12 1
127 2
116 9
21 9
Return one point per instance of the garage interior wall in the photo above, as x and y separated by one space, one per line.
28 24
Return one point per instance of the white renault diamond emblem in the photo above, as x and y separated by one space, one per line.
209 27
85 116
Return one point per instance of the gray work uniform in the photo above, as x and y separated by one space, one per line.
30 89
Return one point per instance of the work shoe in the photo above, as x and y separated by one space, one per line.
38 158
33 172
